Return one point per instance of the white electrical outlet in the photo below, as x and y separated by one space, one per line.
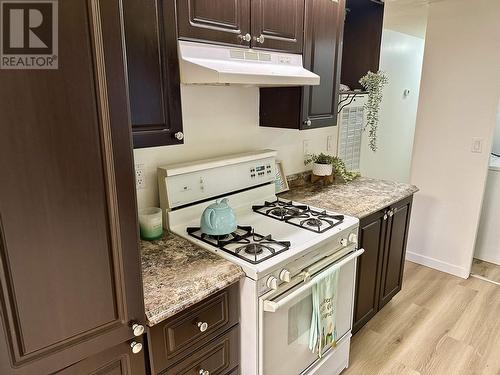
140 177
329 143
305 145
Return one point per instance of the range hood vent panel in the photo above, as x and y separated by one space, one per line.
220 65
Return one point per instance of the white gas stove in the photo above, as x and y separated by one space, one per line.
282 246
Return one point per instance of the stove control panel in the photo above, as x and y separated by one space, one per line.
191 183
261 170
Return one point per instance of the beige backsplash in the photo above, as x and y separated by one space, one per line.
225 120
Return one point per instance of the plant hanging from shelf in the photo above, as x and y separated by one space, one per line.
373 83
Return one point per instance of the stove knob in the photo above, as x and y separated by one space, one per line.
272 283
343 242
285 275
353 238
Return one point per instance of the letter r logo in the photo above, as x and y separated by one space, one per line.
28 27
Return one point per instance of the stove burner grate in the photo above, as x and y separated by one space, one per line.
244 243
299 215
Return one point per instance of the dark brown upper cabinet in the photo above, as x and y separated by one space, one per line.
362 39
278 25
267 24
311 106
222 21
153 72
70 276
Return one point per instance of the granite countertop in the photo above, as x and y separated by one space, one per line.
358 198
177 274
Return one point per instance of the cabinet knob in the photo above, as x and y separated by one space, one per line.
391 213
136 347
245 38
385 216
179 136
260 39
308 122
204 372
203 326
138 329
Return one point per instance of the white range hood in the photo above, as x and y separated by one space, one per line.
221 65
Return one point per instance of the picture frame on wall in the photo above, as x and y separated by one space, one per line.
280 182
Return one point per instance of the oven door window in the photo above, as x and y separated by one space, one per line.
286 331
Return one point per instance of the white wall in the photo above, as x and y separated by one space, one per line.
224 120
401 58
459 94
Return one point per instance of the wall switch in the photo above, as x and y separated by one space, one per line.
140 177
305 145
329 143
477 145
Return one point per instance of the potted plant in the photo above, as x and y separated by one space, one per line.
322 164
326 165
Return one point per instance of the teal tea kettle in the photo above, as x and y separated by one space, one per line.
218 219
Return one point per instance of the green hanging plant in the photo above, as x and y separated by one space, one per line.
373 83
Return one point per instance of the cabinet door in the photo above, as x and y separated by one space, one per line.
362 39
322 55
372 231
153 72
118 360
70 282
278 25
221 21
395 250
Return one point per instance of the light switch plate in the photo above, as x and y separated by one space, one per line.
329 143
305 145
477 145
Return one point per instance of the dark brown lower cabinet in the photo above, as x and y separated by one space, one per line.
383 235
118 360
70 276
202 337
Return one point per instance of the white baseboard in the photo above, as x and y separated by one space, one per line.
437 264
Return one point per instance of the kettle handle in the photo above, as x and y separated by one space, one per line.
210 220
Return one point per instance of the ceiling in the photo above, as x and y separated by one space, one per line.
407 16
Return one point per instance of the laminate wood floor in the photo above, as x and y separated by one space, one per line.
487 270
438 324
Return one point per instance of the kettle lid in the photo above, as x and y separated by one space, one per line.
220 203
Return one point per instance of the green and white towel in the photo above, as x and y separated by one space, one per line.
323 331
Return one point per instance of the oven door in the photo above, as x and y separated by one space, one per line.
285 317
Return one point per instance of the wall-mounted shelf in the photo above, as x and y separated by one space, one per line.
350 96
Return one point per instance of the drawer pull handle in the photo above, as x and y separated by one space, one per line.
203 326
204 372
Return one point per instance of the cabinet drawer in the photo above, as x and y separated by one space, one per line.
218 357
190 329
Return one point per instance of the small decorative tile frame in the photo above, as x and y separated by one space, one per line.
280 182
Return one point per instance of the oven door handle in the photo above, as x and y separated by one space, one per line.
273 306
